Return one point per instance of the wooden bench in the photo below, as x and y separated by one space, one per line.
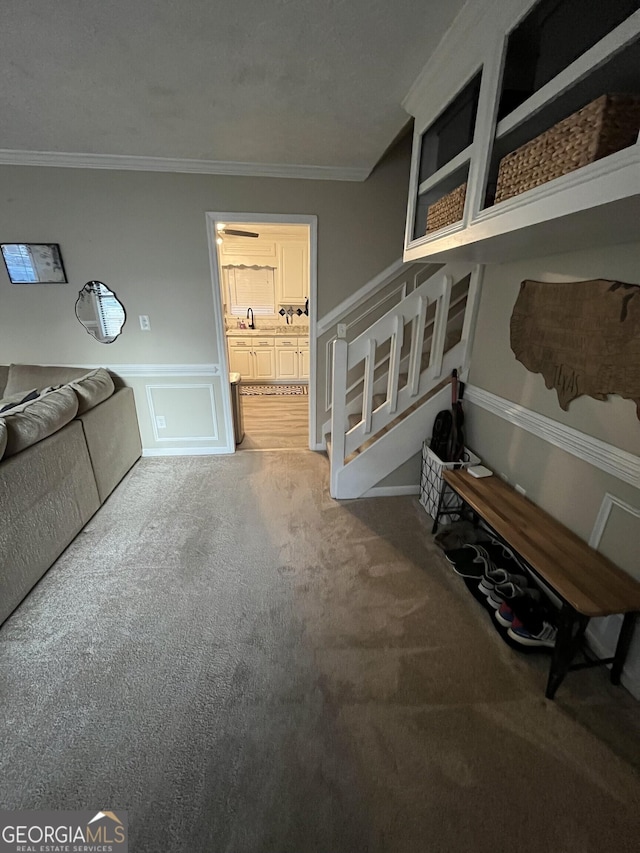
587 583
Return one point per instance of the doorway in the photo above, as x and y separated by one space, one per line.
265 298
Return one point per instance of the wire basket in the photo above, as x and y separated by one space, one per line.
432 483
602 127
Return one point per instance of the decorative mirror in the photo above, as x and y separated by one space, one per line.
100 312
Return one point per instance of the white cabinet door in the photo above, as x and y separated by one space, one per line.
241 361
294 272
303 361
264 363
286 363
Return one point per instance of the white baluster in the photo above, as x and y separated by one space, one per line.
415 357
440 328
394 363
471 314
338 408
367 395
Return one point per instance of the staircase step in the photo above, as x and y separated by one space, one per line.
373 438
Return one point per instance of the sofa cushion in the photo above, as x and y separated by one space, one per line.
3 437
22 377
93 388
31 422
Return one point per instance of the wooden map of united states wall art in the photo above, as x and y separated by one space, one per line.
583 337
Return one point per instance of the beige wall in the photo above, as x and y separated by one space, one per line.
569 488
144 234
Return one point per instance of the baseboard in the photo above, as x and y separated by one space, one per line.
319 445
391 491
186 451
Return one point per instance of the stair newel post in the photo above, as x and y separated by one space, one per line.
338 408
394 362
440 328
415 356
471 314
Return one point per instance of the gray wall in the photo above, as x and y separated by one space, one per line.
144 234
569 488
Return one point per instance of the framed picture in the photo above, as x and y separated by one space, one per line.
33 263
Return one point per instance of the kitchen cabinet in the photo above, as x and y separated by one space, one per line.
507 71
303 359
292 358
293 271
252 358
270 357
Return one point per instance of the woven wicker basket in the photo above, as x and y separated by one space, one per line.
604 126
447 209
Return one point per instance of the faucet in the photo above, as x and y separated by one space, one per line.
252 325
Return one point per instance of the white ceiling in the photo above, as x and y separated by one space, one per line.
290 82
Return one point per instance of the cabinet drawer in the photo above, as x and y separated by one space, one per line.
262 342
239 342
287 342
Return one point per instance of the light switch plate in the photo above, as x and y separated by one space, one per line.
145 325
342 330
161 422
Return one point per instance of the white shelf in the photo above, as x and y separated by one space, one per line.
624 34
443 172
598 204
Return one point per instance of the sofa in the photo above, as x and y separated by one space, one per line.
67 438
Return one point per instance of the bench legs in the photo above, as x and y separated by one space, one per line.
622 647
571 628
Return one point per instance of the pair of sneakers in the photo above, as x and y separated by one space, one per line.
517 607
527 619
492 564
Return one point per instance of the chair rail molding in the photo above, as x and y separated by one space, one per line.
134 370
619 463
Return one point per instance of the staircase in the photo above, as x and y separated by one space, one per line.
390 381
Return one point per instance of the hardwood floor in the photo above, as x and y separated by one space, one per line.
275 422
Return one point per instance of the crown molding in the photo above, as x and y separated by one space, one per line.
67 160
619 463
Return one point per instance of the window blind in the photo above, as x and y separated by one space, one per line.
251 287
110 314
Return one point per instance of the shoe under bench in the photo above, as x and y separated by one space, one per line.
585 581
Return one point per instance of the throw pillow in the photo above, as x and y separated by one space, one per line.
18 399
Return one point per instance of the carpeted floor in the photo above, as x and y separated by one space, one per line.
250 667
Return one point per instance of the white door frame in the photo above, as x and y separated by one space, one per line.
212 217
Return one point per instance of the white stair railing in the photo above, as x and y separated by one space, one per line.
390 328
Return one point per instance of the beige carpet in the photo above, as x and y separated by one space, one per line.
248 666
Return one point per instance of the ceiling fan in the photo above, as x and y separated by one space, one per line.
223 231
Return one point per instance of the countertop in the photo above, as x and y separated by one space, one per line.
294 331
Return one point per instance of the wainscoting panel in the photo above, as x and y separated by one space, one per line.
190 400
183 412
615 533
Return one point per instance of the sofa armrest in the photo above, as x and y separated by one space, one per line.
113 438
